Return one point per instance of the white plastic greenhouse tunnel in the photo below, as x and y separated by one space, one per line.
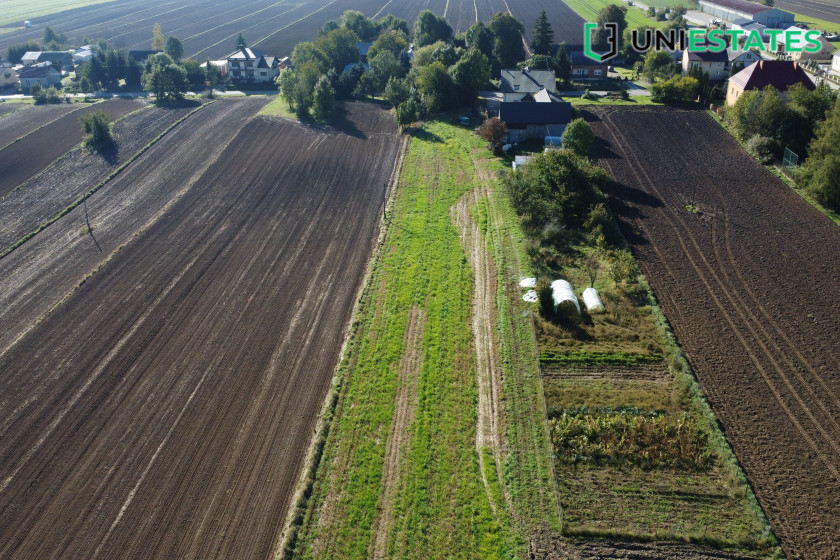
564 297
592 301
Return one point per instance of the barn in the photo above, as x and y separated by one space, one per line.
733 10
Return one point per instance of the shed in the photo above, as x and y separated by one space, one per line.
564 297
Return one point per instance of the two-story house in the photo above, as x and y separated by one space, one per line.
249 66
716 64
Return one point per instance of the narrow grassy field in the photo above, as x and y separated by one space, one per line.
588 10
405 423
814 23
688 4
279 107
15 11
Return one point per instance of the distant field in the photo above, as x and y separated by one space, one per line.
209 29
689 4
17 11
828 10
588 10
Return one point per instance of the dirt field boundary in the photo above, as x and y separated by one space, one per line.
72 206
301 504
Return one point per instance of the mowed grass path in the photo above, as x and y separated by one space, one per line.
441 506
16 11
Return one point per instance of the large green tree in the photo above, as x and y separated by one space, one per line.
15 52
158 40
470 74
430 28
543 35
659 64
563 63
434 86
578 137
392 41
507 46
611 13
339 45
820 174
286 82
364 28
307 52
383 67
174 48
323 100
97 126
480 37
165 79
394 23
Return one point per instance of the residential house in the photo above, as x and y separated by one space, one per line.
716 64
59 59
740 57
250 66
584 68
823 55
781 74
733 10
42 73
517 84
534 120
8 75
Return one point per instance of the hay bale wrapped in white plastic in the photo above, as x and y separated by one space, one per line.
592 301
528 283
564 297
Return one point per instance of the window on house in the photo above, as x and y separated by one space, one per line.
598 72
263 73
579 72
249 64
516 87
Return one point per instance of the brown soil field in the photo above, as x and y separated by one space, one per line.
38 274
77 171
163 408
828 10
29 118
209 29
745 271
25 158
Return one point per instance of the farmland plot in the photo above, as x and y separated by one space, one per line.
746 273
23 159
209 29
162 410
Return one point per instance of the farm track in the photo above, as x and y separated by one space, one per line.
749 304
209 29
22 160
178 430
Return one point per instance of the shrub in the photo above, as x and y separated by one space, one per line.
545 298
98 128
762 148
578 137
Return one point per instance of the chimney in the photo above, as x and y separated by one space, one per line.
761 64
795 66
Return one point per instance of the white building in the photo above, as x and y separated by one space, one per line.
42 73
251 66
835 63
732 10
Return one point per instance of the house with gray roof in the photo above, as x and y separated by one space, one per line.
534 120
250 66
42 73
59 59
517 84
716 64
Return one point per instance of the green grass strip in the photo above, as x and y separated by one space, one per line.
599 358
92 191
588 10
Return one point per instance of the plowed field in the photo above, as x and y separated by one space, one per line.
746 273
22 160
163 408
208 28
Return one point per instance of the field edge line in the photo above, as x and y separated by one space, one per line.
302 504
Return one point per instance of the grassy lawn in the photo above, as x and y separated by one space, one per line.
441 506
279 107
634 100
689 4
814 23
588 10
18 10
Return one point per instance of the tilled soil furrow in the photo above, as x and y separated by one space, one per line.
187 445
736 279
